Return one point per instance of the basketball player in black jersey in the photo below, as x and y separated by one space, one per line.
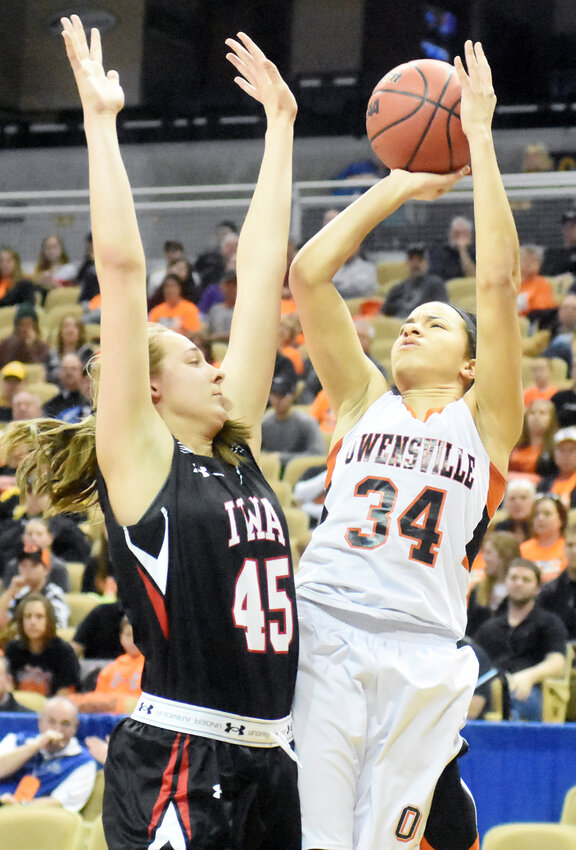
198 540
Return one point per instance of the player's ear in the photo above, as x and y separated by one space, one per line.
155 390
468 371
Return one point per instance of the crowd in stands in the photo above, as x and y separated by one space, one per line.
522 602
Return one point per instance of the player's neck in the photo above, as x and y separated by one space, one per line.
422 400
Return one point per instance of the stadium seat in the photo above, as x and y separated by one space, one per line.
62 295
80 605
530 836
296 467
39 828
568 816
30 699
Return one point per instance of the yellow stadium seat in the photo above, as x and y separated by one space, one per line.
39 828
530 836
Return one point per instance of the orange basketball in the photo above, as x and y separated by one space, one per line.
413 118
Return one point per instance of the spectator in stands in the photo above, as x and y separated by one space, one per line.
70 339
309 492
175 311
288 334
212 264
7 701
546 546
219 319
39 660
535 294
37 536
86 277
533 454
173 250
562 482
97 636
53 268
357 278
562 260
12 375
69 541
518 503
418 288
564 332
542 388
25 343
457 257
559 595
536 159
565 403
118 683
32 577
191 289
498 550
290 433
70 405
15 288
26 405
66 771
525 641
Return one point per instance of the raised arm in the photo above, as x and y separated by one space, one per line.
263 246
127 425
351 382
496 397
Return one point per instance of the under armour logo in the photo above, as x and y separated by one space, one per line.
202 470
217 791
146 708
238 729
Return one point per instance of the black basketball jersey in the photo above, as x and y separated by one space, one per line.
206 580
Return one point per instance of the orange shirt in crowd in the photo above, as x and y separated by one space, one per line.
525 458
294 355
321 411
563 487
184 317
96 302
534 394
535 294
121 677
550 559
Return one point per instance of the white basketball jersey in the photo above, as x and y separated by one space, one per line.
406 508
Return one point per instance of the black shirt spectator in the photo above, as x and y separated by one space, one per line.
564 403
561 260
456 257
417 289
98 635
559 597
525 645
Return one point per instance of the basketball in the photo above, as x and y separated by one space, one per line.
413 118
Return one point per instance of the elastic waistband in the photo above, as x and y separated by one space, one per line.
210 723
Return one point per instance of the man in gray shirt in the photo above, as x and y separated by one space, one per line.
290 433
419 288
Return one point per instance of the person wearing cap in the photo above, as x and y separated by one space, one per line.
418 288
12 375
563 484
32 577
290 433
25 343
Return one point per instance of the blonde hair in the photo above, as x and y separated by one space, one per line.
61 461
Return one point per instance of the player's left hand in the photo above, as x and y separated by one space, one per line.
478 98
260 78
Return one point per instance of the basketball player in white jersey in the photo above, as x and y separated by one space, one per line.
413 480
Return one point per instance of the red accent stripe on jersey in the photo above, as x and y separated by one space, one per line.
331 462
424 845
157 602
181 796
496 489
165 788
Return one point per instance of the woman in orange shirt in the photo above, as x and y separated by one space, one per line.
533 453
535 291
546 546
176 312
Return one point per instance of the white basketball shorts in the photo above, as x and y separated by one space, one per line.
376 719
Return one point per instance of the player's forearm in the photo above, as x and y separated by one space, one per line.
319 260
263 242
497 250
117 242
